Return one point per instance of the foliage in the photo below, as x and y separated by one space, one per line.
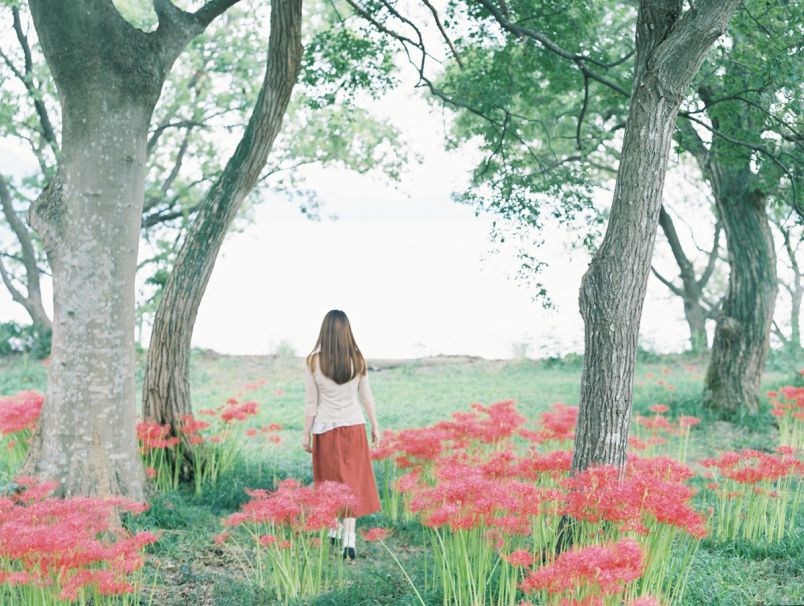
205 102
18 338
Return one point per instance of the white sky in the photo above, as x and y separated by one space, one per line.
410 267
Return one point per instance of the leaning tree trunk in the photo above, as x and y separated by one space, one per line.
166 390
742 332
109 76
670 50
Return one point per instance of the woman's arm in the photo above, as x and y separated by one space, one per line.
310 406
367 399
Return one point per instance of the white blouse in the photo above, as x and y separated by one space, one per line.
335 405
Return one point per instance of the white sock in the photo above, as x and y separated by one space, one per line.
336 533
351 539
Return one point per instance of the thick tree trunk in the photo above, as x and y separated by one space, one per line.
669 53
109 76
166 390
742 333
90 224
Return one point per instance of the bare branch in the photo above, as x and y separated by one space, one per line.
213 9
26 77
163 217
712 260
16 295
23 236
578 143
675 289
443 32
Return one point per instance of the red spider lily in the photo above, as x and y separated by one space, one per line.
659 408
388 446
554 464
376 534
637 444
608 567
557 424
752 466
650 490
425 444
153 436
656 423
299 507
520 557
65 545
238 412
190 425
465 497
20 412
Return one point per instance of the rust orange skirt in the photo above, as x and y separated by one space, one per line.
342 455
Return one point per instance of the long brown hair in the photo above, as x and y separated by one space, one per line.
338 355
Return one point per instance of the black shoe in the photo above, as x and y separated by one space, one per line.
331 540
349 552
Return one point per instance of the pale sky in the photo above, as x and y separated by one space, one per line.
411 268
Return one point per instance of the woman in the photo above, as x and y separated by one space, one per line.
336 383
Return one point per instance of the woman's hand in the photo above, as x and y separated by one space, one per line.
375 437
306 443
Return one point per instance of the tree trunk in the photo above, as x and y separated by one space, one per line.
742 333
691 290
166 390
86 438
696 320
109 76
795 289
795 320
670 50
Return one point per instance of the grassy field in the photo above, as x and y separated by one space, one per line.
186 567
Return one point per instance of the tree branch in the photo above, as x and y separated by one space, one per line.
675 289
39 105
163 217
24 238
548 44
713 256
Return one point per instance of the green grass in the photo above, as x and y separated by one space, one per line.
186 567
